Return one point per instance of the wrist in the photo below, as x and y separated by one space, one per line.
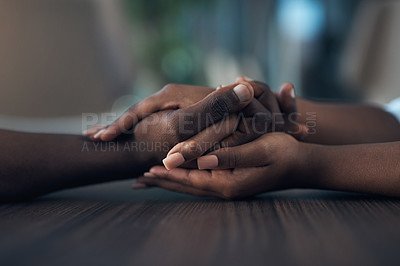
308 165
120 159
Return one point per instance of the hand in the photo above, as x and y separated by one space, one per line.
256 118
171 97
273 161
252 126
158 132
286 98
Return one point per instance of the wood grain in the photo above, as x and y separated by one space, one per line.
109 224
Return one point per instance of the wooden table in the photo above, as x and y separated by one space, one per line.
109 224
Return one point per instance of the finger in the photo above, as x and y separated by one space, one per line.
174 186
287 98
249 129
267 99
197 145
287 102
139 185
93 130
262 92
251 154
254 121
128 119
214 108
194 178
168 97
258 121
264 95
137 112
298 131
94 136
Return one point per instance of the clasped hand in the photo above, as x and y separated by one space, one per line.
240 137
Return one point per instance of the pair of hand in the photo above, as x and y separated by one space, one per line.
224 118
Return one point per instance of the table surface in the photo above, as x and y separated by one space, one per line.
109 224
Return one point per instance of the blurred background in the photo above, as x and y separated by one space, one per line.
59 59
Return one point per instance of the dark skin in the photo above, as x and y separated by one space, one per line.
278 161
340 124
36 164
267 112
61 163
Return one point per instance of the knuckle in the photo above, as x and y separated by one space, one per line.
168 176
191 176
182 123
191 149
266 148
264 91
123 123
170 88
186 180
261 86
264 87
168 127
219 107
234 158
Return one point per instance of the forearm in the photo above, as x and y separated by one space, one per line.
370 168
35 164
347 123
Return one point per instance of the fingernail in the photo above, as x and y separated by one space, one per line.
149 175
292 94
242 92
173 161
139 186
207 162
98 134
85 132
